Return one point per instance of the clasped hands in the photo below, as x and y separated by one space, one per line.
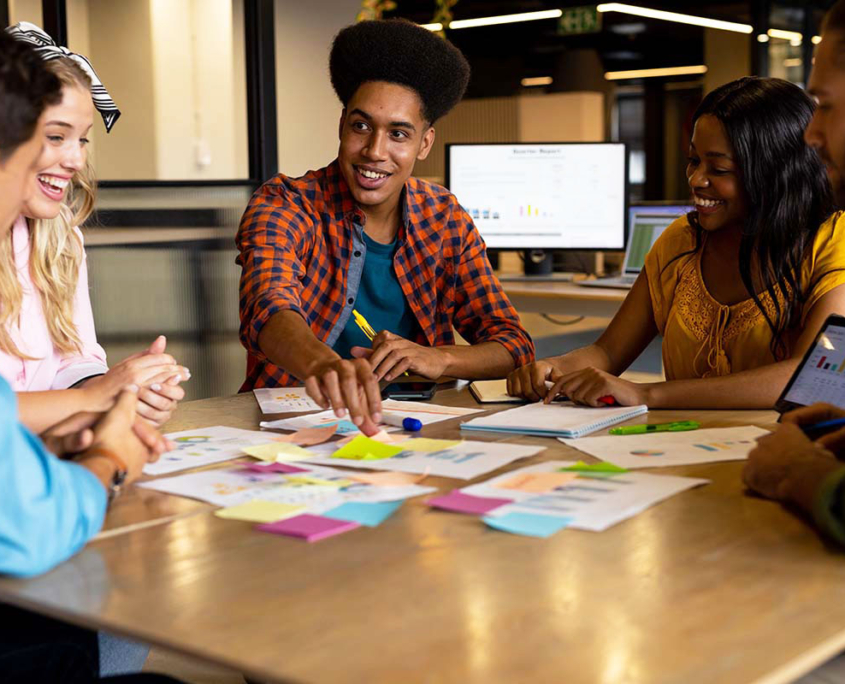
119 430
352 385
544 380
154 374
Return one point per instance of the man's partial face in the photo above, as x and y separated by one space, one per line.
18 178
382 135
826 132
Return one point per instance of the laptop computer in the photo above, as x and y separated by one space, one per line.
646 224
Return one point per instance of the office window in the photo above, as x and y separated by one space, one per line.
176 69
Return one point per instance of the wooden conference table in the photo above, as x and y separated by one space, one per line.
710 586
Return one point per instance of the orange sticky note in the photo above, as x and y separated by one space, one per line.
309 436
388 479
537 483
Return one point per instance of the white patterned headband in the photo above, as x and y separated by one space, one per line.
48 50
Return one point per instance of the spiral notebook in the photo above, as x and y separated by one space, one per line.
554 420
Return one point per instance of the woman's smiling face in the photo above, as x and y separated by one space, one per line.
713 176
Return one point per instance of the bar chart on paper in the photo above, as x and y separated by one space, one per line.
822 378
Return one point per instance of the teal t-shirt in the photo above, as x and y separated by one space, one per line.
380 300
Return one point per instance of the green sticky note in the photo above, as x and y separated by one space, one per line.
259 511
601 469
428 445
365 449
278 451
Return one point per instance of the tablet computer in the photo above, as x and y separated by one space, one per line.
821 374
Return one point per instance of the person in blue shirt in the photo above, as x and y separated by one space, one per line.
50 507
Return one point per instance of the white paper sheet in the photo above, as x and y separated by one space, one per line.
463 462
553 420
593 504
205 446
660 449
235 485
285 400
425 413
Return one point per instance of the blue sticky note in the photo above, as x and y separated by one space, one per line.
527 524
344 427
369 514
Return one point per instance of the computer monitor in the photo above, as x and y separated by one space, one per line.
645 224
542 195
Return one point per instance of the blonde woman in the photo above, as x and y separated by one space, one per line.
47 338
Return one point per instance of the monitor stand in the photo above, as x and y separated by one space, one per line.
537 262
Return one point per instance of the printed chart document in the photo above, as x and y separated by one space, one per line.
554 420
285 400
660 449
463 461
204 446
318 489
591 503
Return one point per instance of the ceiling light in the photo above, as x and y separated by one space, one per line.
501 19
762 38
674 16
786 35
537 81
652 73
817 40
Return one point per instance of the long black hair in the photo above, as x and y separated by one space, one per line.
786 187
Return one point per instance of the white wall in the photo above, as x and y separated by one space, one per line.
308 109
25 10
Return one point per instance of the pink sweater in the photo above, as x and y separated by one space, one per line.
49 370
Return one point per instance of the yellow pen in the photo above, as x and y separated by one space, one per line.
366 328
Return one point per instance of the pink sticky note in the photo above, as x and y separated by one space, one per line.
466 503
309 527
273 468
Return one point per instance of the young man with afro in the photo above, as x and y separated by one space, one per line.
361 234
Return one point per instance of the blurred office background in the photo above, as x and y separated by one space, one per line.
217 95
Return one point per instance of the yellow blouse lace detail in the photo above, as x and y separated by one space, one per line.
702 337
714 324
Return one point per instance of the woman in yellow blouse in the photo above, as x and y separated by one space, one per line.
738 287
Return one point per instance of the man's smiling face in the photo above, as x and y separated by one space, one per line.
382 135
826 132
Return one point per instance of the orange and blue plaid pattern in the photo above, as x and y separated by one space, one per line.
295 242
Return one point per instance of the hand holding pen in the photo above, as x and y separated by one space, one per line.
822 423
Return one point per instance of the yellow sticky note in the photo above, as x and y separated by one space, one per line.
310 480
277 451
259 511
428 445
537 483
365 449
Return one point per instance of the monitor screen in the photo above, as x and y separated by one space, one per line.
645 224
542 196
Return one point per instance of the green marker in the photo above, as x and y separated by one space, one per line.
680 426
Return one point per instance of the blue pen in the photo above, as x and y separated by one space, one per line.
818 429
407 424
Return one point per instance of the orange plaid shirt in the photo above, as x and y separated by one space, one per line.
298 241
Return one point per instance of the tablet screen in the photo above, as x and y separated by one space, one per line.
821 377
